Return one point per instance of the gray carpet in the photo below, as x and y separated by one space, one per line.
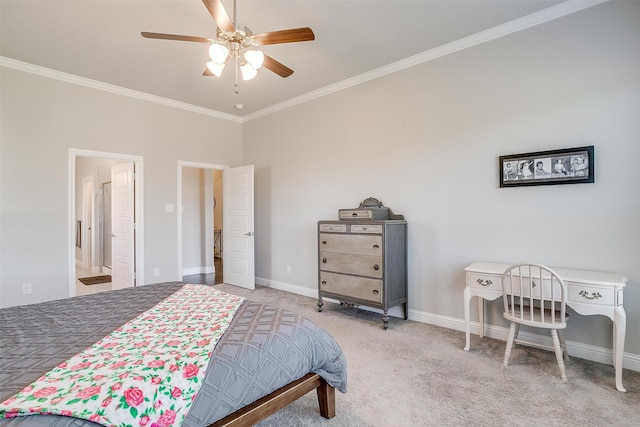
414 374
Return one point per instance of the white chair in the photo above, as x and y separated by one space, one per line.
535 296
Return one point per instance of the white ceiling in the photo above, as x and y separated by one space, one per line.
100 40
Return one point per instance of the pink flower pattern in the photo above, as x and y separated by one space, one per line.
118 381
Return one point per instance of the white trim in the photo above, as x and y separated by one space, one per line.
139 211
182 164
106 87
198 270
549 14
543 16
584 351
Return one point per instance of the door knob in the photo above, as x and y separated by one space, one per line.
251 233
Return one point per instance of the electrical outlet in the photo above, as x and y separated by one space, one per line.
26 288
288 269
156 272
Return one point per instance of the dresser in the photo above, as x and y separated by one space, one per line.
588 293
362 260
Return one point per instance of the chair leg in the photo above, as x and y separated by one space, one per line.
558 351
507 351
565 355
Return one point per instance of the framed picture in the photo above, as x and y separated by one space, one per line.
567 166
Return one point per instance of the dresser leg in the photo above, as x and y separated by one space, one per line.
385 320
320 304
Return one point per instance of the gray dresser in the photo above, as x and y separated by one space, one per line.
362 258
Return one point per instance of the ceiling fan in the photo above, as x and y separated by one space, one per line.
235 41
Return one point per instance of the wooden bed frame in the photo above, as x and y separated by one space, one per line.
270 404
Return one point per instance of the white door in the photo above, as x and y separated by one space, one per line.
238 222
122 226
87 219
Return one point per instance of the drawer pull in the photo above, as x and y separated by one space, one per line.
376 292
324 282
324 260
376 267
594 295
376 246
483 282
354 214
324 242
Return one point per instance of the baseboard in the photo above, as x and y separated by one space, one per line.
584 351
198 270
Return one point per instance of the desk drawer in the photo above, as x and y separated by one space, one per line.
351 286
487 282
586 294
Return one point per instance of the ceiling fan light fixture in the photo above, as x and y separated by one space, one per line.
218 53
254 57
215 68
248 72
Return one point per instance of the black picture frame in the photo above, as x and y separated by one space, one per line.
565 166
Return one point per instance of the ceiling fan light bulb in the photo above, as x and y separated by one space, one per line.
248 72
218 53
255 58
215 68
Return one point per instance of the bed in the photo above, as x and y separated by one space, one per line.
267 358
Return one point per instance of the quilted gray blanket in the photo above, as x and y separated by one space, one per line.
264 349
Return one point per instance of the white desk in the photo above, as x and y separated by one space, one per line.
588 293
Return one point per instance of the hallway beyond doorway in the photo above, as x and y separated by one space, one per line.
207 279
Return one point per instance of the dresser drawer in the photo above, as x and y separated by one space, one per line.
333 228
350 244
351 286
370 213
486 282
586 294
363 265
361 228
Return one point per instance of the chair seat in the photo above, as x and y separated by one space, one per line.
516 315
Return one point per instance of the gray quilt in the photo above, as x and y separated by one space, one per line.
264 349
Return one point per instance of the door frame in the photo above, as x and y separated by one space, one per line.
181 165
74 153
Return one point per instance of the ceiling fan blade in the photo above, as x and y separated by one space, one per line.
207 73
216 9
277 67
304 34
175 37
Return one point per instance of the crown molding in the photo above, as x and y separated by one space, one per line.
543 16
106 87
546 15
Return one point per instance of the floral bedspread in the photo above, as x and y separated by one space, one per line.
145 373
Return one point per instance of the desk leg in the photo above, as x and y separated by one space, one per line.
619 329
467 330
481 316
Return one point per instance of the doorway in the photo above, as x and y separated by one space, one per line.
200 223
91 177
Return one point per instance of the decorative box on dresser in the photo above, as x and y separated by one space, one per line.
362 258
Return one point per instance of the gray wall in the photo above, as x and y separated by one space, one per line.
41 120
426 142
